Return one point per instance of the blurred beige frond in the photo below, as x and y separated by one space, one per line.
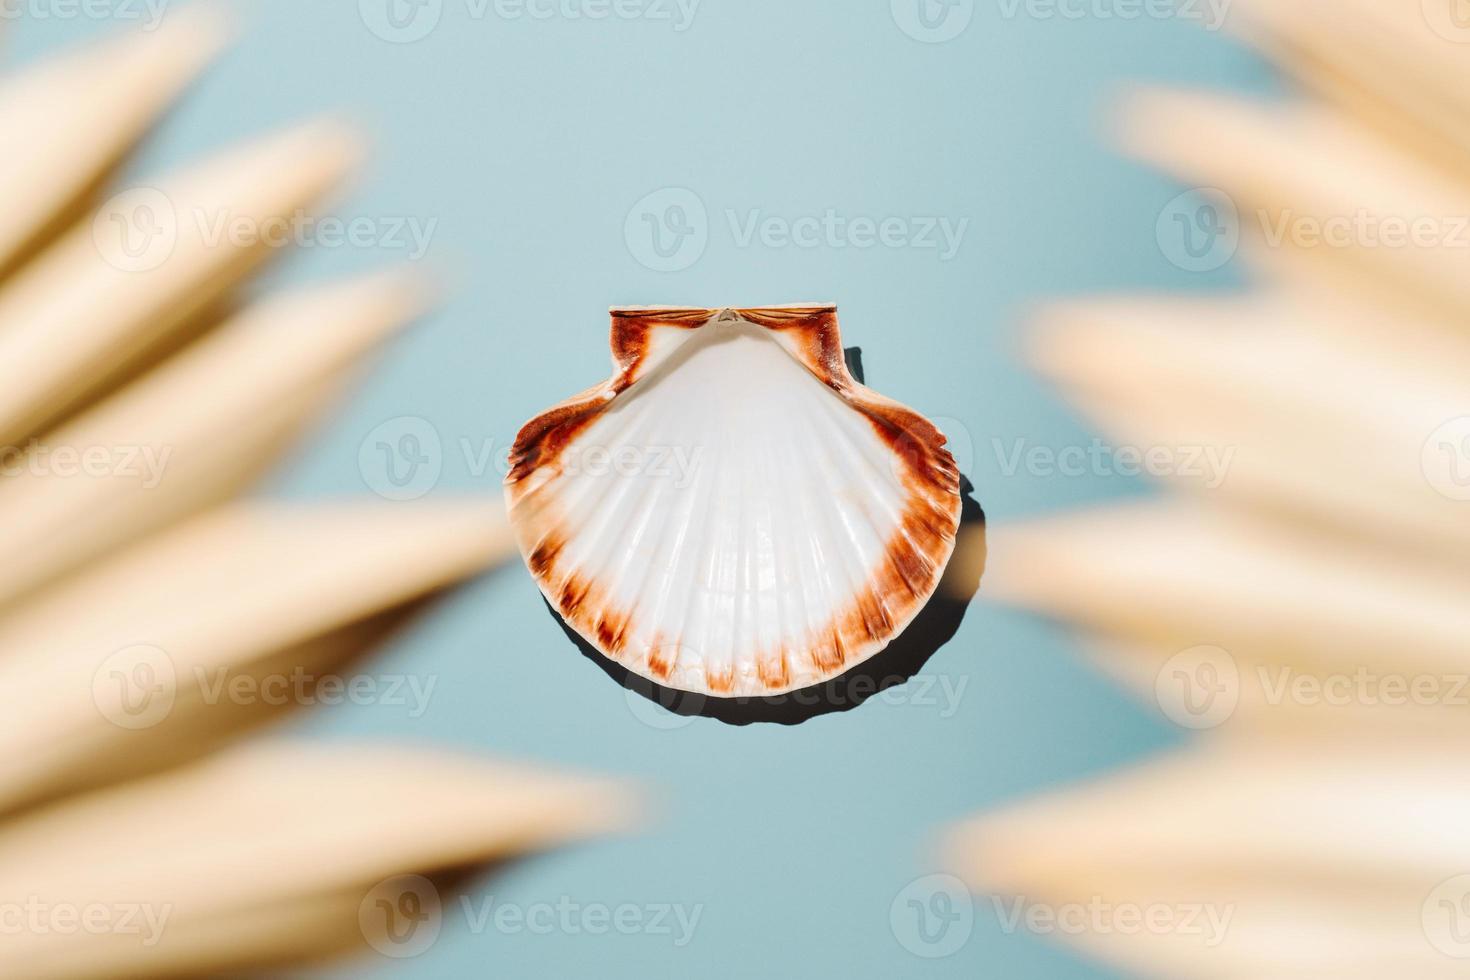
92 106
245 402
1257 846
134 599
1284 164
220 596
1179 374
305 835
1378 62
1185 574
84 314
1301 601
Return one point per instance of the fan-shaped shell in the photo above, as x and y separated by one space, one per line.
731 513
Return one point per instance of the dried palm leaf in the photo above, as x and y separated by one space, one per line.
1304 604
136 599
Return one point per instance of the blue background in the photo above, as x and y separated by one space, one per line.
529 141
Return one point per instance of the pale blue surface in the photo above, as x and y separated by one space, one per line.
529 142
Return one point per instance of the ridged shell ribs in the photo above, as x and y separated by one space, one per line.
731 513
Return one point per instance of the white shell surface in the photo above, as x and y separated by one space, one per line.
719 516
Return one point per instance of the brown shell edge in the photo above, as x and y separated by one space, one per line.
916 555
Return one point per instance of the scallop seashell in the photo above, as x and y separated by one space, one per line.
731 513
